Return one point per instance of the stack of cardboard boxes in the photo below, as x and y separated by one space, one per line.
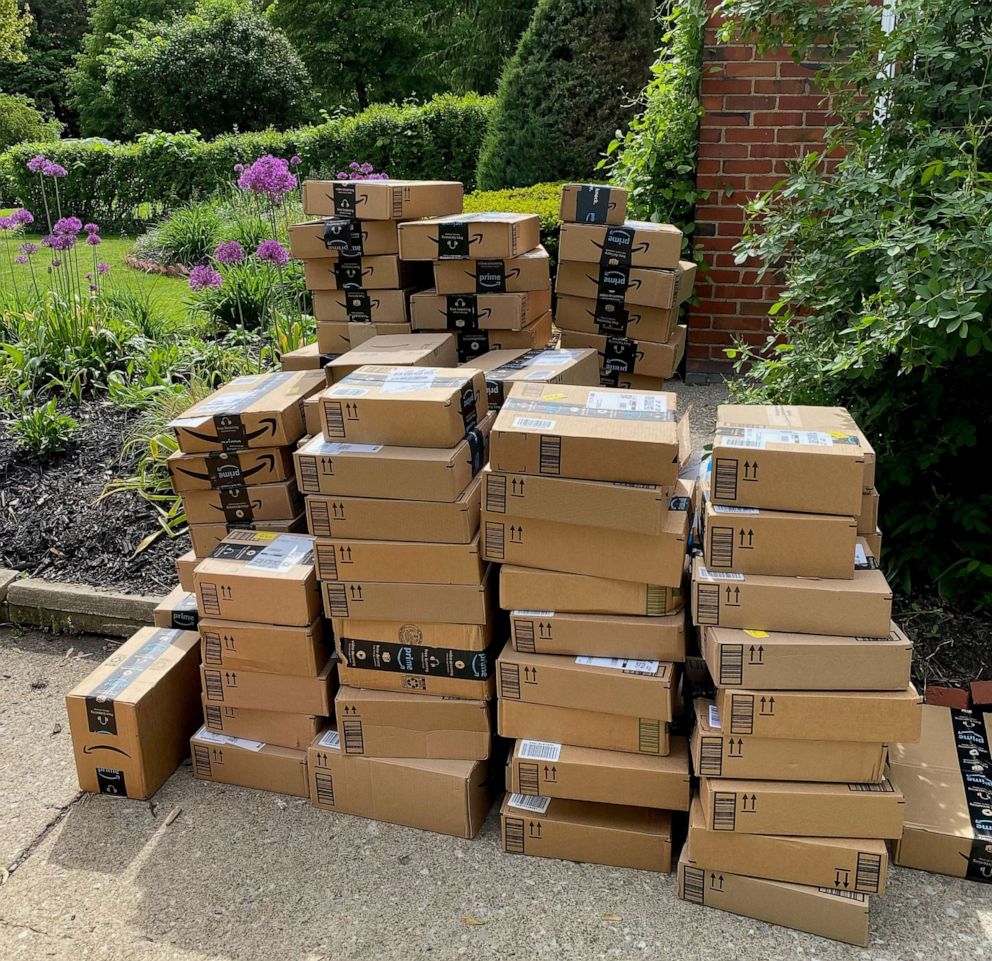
619 286
492 280
393 502
812 678
360 287
584 507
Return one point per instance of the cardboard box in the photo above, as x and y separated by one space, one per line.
215 469
304 358
447 796
621 356
524 588
589 433
633 382
590 316
185 565
860 606
802 810
599 635
460 637
504 368
609 777
131 718
246 763
625 286
338 338
343 235
499 275
265 648
206 537
614 834
840 915
888 717
946 779
786 661
356 306
717 753
177 610
260 577
243 505
838 864
593 204
387 724
430 310
636 243
257 410
376 518
868 517
263 692
364 273
753 541
582 728
414 406
381 199
407 350
281 728
477 236
874 542
789 459
404 562
440 475
610 685
473 343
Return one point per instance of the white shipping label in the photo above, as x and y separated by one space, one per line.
758 438
225 739
534 423
620 400
406 380
529 802
283 554
714 717
551 358
344 390
331 739
334 449
532 614
539 751
718 576
860 557
720 509
621 664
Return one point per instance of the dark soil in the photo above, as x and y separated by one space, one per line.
52 527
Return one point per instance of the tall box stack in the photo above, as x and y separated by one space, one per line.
351 254
492 280
812 678
620 283
393 502
584 507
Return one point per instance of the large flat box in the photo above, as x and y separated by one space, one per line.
472 343
260 577
614 834
389 724
788 458
265 648
582 728
205 538
343 235
256 410
377 518
498 275
405 350
626 286
430 310
620 356
382 199
272 692
308 357
716 753
467 638
590 433
342 272
476 236
404 474
802 809
593 204
526 588
609 777
236 468
636 243
504 368
779 660
177 610
338 337
446 796
889 717
785 543
246 763
840 915
411 406
282 728
131 718
599 635
838 864
590 316
243 505
946 779
403 562
356 306
854 607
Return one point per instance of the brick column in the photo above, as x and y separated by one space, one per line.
760 113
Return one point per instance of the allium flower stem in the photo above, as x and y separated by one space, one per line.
44 198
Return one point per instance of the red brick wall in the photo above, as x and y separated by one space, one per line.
760 112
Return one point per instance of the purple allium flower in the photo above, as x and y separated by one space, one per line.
102 268
88 276
59 241
295 160
91 229
28 248
93 240
22 217
229 252
357 171
93 288
238 168
204 276
21 259
37 164
272 251
67 225
6 223
53 169
270 176
56 262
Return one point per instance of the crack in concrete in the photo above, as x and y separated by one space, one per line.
60 816
21 926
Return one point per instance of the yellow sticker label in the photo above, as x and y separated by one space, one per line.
558 396
839 434
756 633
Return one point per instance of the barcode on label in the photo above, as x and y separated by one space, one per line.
540 751
534 423
714 718
332 740
629 665
719 575
883 788
529 802
720 509
228 741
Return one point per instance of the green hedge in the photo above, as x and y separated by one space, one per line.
125 184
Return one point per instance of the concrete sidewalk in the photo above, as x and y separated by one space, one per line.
245 875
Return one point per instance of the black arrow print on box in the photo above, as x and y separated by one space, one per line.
841 878
345 552
750 471
716 883
747 535
756 655
517 487
552 774
736 747
768 706
733 596
535 829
